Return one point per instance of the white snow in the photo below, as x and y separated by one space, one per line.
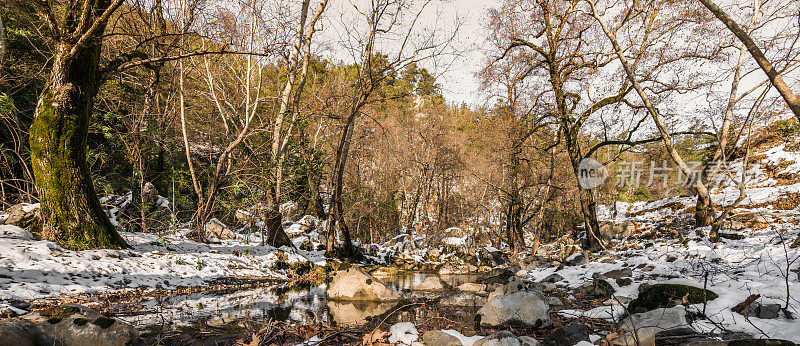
455 241
403 332
465 340
38 268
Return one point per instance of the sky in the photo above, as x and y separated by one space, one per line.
455 72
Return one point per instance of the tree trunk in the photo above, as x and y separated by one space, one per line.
588 205
3 44
71 213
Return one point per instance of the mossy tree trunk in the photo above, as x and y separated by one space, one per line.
71 214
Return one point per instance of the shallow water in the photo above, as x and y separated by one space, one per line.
304 306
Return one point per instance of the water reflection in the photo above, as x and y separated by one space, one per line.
304 306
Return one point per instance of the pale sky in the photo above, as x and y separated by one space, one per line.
455 73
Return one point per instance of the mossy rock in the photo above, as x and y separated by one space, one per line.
60 311
667 296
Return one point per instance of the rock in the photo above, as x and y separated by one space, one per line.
769 311
24 333
642 337
555 302
354 284
432 283
288 210
663 321
514 284
462 299
667 296
553 278
14 232
505 338
619 273
149 194
308 222
622 282
492 256
219 230
78 325
356 313
24 215
472 288
438 337
567 335
598 288
611 230
497 276
760 342
574 260
527 309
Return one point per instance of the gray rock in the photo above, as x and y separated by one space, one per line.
24 215
769 311
574 260
523 308
432 283
504 338
497 276
663 321
598 288
75 325
219 230
437 337
567 335
354 284
462 299
24 333
641 337
553 278
472 288
619 273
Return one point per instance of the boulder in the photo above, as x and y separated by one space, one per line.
308 222
611 230
662 321
573 260
472 288
553 278
355 284
14 232
24 215
505 338
497 276
669 295
526 309
75 325
219 230
461 299
599 289
440 338
24 333
641 337
567 335
491 256
432 283
619 273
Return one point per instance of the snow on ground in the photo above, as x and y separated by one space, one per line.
761 263
37 268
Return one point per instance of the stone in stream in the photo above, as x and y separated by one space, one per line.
432 283
505 338
527 309
354 284
459 298
472 288
71 324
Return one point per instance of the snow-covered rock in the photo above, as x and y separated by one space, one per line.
14 232
404 333
217 229
522 308
23 215
669 321
440 338
505 338
355 284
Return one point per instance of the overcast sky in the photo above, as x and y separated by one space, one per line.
455 73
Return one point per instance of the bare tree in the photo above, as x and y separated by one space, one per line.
792 100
